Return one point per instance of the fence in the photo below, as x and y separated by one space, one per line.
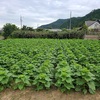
93 37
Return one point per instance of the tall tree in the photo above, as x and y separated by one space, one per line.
8 29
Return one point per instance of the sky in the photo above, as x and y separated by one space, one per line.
39 12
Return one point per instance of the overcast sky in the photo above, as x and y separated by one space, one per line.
39 12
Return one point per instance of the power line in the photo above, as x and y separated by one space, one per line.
70 20
21 22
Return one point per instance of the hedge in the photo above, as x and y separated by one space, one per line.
58 35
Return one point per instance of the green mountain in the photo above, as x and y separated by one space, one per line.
55 24
75 21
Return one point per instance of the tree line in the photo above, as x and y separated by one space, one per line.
12 31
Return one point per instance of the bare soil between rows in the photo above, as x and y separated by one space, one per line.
52 94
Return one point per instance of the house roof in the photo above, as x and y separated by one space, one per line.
98 21
89 23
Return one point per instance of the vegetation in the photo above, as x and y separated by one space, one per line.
8 29
54 25
25 28
43 63
76 21
11 30
39 33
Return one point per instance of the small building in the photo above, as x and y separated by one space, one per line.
93 25
54 30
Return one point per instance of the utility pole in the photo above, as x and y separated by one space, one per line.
21 22
70 20
37 25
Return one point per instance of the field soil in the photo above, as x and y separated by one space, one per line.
53 94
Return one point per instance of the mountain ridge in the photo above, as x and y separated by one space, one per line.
75 21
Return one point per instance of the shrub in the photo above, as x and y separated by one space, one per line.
8 29
46 34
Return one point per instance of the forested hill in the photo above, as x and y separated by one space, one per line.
76 21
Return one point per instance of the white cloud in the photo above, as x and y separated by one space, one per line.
38 12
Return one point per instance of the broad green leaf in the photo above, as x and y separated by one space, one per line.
84 91
91 85
5 80
40 87
1 77
69 80
1 88
80 81
20 86
47 85
77 88
17 80
91 91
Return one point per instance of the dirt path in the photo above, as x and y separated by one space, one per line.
30 94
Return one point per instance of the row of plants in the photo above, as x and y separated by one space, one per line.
46 34
43 63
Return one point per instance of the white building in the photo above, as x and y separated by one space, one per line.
54 30
95 25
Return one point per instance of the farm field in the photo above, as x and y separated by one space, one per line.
68 65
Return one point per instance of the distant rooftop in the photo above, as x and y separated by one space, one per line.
89 23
